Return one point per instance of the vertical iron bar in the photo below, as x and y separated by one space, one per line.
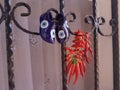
96 62
62 6
63 53
9 45
115 46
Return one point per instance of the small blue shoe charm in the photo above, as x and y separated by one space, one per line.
47 27
62 29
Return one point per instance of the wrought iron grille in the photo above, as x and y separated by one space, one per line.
94 20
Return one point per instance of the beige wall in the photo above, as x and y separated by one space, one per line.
37 64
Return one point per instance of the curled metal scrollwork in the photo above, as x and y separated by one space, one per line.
114 24
28 13
71 14
98 22
22 14
89 19
2 14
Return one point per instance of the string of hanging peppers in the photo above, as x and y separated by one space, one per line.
78 55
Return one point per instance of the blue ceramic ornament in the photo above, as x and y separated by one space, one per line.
62 29
47 27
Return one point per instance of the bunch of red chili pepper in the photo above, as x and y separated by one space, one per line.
78 55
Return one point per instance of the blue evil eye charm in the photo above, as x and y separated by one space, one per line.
47 30
62 29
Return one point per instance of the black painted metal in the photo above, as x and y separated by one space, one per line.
23 15
63 53
8 15
96 64
9 43
115 46
3 14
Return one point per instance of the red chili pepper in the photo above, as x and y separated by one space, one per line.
88 36
84 66
88 48
87 58
68 59
68 67
71 72
69 56
68 48
88 42
81 69
77 72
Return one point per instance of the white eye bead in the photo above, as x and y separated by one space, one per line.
44 24
61 34
52 33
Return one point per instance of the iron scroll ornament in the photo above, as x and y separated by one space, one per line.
88 19
20 4
97 22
